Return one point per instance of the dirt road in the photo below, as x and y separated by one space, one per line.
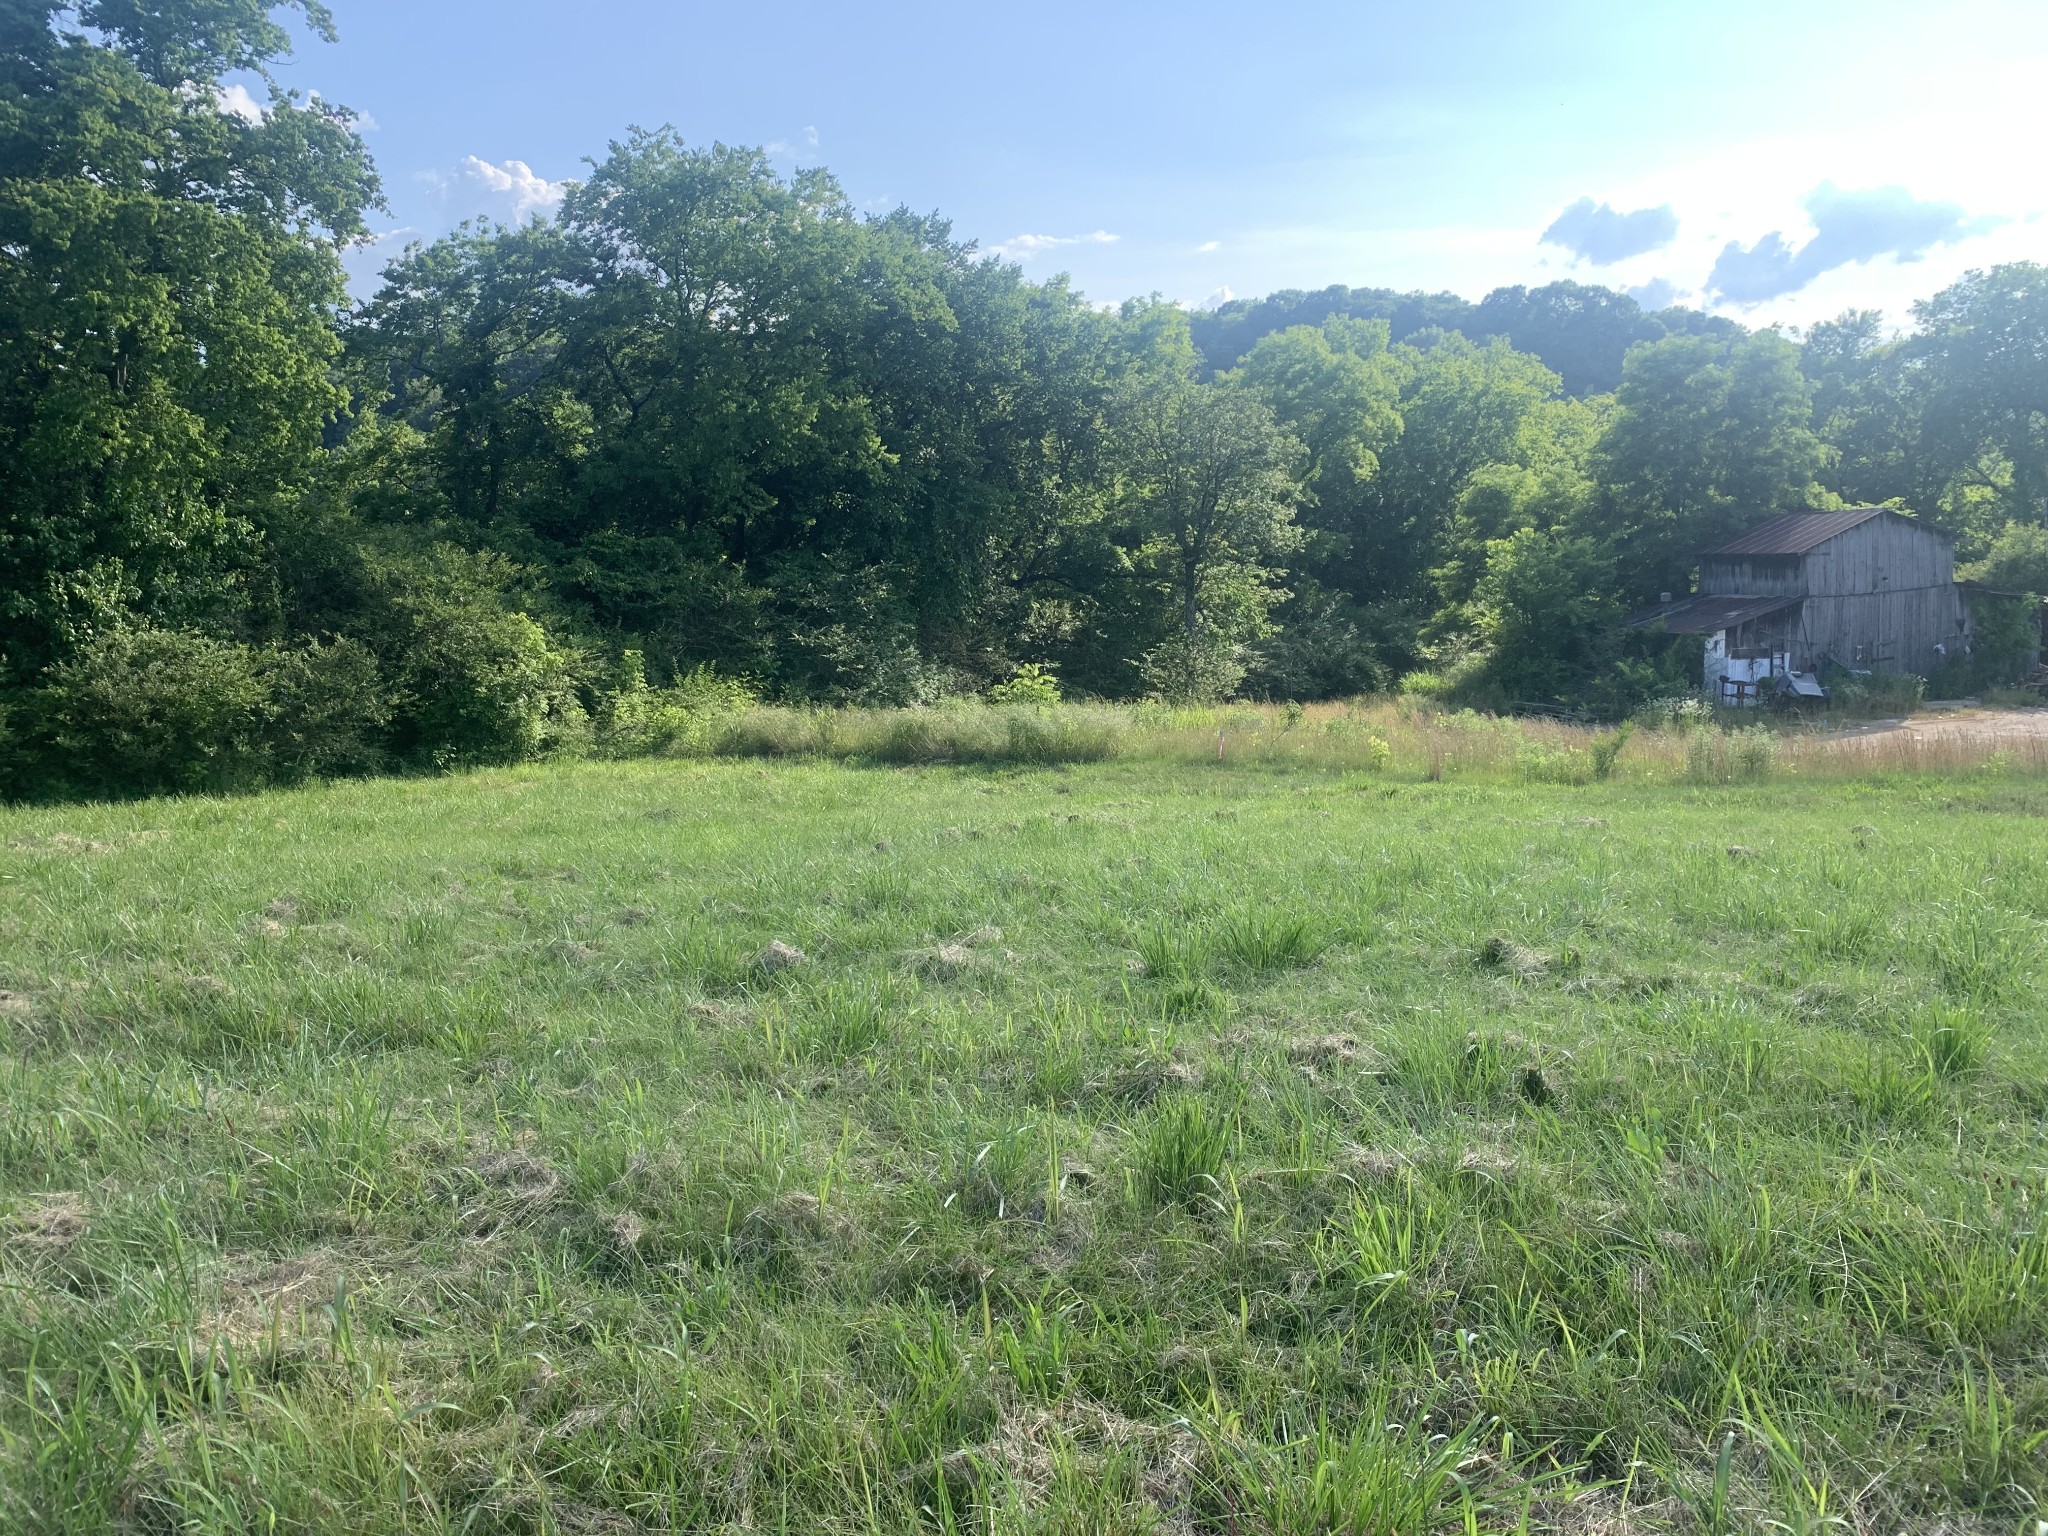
1961 725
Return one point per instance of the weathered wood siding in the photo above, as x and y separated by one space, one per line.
1881 595
1886 554
1754 575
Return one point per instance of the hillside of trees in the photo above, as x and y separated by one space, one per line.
710 422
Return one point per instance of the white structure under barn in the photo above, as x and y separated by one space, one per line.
1866 590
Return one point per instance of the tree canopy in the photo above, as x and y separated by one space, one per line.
168 307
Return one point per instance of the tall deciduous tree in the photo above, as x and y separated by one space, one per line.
738 422
1866 411
1979 366
1335 388
168 284
1208 484
1709 437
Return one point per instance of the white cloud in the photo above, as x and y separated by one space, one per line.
1854 226
510 191
1207 246
1604 235
235 101
1658 293
1743 192
1942 147
1021 248
807 144
1216 298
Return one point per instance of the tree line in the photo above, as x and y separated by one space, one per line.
709 421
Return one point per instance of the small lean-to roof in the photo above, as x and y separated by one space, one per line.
1797 532
1709 612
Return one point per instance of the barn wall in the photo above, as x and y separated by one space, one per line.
1883 596
1754 576
1882 631
1886 554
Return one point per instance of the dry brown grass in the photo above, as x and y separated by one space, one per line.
1398 737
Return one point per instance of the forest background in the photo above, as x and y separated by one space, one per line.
708 430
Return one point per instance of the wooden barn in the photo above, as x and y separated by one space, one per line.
1867 590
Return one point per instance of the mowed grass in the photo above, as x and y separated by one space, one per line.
1134 1148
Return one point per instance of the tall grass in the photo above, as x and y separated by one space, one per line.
1396 738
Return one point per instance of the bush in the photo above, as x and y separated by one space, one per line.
635 720
1324 647
144 711
1032 684
1541 762
1714 756
324 710
1193 668
475 679
1606 750
1879 693
1031 737
2016 562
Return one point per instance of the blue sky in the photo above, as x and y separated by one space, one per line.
1779 161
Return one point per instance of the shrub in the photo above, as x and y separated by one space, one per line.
1541 762
1032 684
324 711
1032 737
2016 562
1606 750
142 711
477 680
1714 756
1193 669
1675 709
1880 693
635 720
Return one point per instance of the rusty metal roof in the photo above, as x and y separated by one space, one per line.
1709 612
1797 532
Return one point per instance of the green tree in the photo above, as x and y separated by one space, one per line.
1208 483
166 310
1709 436
737 423
1336 388
1580 332
1545 611
1544 481
2017 561
1865 409
1978 369
1465 411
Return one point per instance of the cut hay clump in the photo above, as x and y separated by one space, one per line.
1517 960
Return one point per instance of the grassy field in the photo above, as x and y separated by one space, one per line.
1131 1147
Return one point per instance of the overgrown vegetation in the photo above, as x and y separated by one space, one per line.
709 428
1133 1146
